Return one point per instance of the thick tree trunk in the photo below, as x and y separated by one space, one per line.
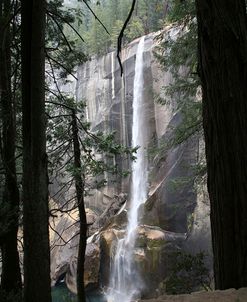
35 180
79 184
11 275
223 71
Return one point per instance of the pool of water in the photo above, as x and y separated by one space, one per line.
61 293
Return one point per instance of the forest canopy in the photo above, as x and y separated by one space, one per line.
148 16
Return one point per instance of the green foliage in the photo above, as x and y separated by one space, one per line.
178 55
188 273
135 29
118 24
182 11
98 149
190 125
62 51
147 17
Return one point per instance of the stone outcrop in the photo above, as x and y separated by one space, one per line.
64 231
91 267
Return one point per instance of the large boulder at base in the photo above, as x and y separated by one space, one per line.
91 269
64 238
108 242
151 253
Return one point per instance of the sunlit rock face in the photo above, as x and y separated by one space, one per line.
173 217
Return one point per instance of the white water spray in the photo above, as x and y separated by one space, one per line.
113 77
125 282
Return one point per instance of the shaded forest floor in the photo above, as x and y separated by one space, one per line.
230 295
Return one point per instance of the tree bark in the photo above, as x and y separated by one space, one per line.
79 184
223 70
35 179
11 275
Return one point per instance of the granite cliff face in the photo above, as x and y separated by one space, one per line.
173 216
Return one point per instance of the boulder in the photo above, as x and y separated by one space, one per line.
91 269
151 253
64 238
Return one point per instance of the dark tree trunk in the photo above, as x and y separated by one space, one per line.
79 184
223 71
11 275
35 180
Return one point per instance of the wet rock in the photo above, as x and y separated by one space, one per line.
151 253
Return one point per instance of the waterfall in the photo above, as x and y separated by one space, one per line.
125 282
113 77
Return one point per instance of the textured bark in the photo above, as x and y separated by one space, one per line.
223 71
35 180
79 184
11 276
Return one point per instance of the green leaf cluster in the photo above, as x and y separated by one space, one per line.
188 273
98 153
62 51
147 17
177 54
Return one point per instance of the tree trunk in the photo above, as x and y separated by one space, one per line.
223 71
11 275
35 179
79 184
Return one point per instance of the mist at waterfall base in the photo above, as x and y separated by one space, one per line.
125 281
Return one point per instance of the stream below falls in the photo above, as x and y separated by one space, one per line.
60 293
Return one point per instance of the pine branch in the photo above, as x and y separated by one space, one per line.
60 104
66 241
96 16
61 31
61 189
64 20
61 65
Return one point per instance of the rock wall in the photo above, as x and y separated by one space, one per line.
109 107
179 214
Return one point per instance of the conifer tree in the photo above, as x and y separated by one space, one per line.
11 276
35 180
222 33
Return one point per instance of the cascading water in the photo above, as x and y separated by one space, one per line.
125 282
113 77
